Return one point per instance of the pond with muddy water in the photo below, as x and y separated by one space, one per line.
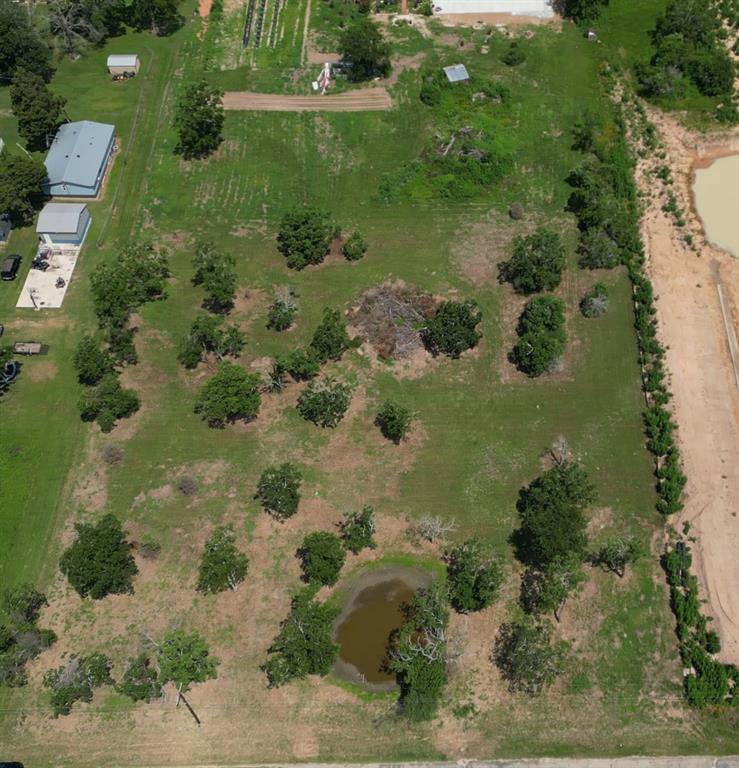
716 192
372 610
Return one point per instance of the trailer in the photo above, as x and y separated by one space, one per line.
27 348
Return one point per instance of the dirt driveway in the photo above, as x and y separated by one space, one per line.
362 100
698 306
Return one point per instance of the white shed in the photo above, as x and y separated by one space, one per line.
122 64
62 224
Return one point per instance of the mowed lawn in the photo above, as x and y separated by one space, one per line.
481 432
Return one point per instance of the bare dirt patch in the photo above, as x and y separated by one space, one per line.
42 370
697 304
358 100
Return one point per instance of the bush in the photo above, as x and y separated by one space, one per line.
357 530
619 552
108 402
216 272
526 656
598 250
187 485
305 236
322 558
324 401
230 395
112 454
282 313
149 547
595 302
551 510
99 561
474 577
279 490
222 566
452 329
304 645
394 421
330 339
514 56
301 364
140 681
76 680
91 362
545 589
541 336
536 263
207 337
355 247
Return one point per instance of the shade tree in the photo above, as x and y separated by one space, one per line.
39 111
278 490
325 401
527 656
222 565
184 658
140 681
617 553
546 589
21 178
474 576
304 645
453 328
363 44
551 510
322 557
198 117
230 395
541 336
358 529
99 560
91 361
108 402
216 272
330 339
536 262
305 236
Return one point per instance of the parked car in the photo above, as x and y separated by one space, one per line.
10 267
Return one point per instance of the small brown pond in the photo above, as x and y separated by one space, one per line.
372 612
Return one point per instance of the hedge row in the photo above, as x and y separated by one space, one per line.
600 207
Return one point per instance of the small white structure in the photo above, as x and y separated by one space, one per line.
123 64
63 224
538 8
457 73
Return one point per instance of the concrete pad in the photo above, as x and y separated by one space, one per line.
40 291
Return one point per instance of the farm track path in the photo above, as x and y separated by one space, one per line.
362 100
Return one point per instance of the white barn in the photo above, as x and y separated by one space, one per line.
538 8
123 63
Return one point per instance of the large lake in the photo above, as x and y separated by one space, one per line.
716 192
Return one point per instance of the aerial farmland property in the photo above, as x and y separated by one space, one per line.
368 386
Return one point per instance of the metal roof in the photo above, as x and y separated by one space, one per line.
456 73
122 60
60 218
538 8
78 152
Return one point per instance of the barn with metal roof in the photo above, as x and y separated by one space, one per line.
77 159
63 223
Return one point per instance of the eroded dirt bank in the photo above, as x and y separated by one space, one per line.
697 290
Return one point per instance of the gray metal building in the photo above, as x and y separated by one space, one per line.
63 223
77 159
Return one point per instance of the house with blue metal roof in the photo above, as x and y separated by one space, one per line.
77 159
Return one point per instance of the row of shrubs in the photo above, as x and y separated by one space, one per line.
604 201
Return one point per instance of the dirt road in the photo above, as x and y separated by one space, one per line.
361 100
698 306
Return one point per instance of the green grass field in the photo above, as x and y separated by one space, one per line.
481 434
